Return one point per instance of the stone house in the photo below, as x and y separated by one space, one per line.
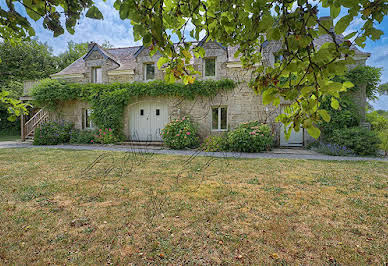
144 119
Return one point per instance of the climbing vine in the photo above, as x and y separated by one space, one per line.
108 100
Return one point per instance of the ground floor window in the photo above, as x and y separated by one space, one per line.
219 118
86 119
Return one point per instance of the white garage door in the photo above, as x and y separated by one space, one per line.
295 140
147 119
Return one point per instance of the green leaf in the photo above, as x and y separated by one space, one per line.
94 13
334 103
348 84
334 11
325 115
342 24
162 61
314 132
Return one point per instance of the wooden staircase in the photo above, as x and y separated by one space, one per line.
28 129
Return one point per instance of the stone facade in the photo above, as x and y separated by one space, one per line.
128 65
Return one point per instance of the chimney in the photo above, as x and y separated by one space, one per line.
90 45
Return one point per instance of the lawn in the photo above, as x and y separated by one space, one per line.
9 137
89 207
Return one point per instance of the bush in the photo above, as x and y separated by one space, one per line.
105 136
215 143
383 136
333 149
347 116
250 137
361 140
52 133
378 122
82 136
180 134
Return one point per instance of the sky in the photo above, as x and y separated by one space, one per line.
119 33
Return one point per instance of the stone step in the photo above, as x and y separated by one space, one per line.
142 143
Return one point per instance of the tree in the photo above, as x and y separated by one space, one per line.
368 76
383 89
304 76
24 61
73 52
14 25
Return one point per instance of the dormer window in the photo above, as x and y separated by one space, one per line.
149 71
96 75
210 67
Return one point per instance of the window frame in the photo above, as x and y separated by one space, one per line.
86 114
204 67
94 75
145 71
219 112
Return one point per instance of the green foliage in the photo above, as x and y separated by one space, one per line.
52 133
333 149
82 136
251 137
368 76
378 122
361 140
383 89
105 136
55 15
27 60
108 100
347 116
180 134
383 136
215 143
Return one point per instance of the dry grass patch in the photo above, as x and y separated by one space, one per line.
89 207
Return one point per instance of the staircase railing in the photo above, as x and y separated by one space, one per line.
40 117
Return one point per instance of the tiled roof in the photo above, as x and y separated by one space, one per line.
126 56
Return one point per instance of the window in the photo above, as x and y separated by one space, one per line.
86 119
149 71
157 111
96 75
141 111
220 118
210 67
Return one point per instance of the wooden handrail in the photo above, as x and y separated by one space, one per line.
40 117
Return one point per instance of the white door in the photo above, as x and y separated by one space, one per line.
295 140
147 119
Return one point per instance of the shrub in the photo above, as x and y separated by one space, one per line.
361 140
251 137
105 136
347 116
52 133
383 136
180 134
378 122
333 149
215 143
82 136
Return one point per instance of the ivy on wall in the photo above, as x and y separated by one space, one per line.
108 100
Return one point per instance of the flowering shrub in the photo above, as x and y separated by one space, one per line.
52 133
250 137
361 140
82 136
215 143
333 149
180 133
105 136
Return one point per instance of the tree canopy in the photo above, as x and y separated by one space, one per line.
303 77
